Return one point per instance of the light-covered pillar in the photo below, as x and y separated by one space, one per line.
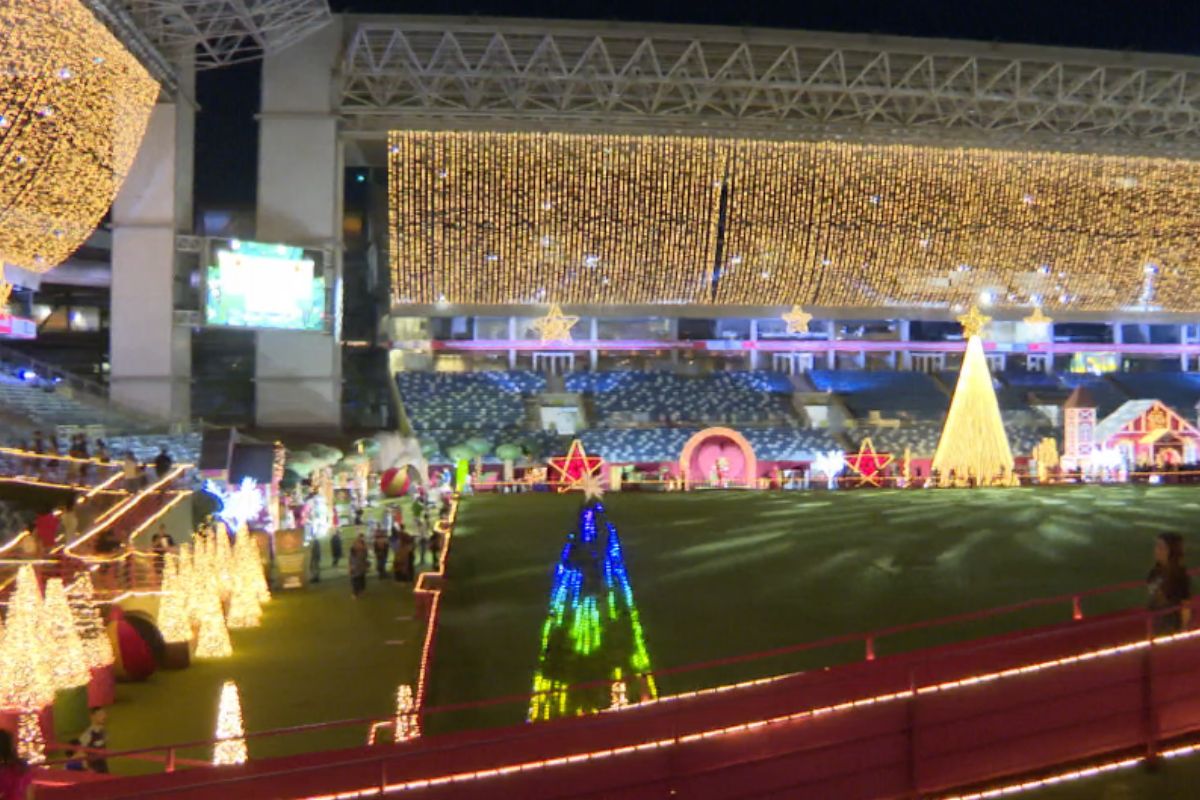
298 375
149 355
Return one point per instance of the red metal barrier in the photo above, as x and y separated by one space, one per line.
898 726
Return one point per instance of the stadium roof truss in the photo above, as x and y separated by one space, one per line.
446 72
218 32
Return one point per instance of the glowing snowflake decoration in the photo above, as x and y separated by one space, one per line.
241 506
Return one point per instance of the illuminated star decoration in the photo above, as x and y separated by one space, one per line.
555 326
797 320
867 463
1037 317
576 470
973 322
5 290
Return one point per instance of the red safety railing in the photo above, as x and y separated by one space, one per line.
906 725
1071 606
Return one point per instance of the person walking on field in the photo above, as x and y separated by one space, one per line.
335 547
358 566
314 561
381 546
1169 586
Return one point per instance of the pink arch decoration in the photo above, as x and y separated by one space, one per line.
705 447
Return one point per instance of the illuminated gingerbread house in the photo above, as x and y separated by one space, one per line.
1148 432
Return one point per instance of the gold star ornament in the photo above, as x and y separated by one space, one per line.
797 320
5 291
973 322
1037 317
555 326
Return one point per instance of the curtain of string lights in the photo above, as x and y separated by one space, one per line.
539 218
73 109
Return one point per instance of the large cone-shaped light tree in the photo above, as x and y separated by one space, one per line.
974 444
592 635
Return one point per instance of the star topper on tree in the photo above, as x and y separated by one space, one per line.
973 322
577 470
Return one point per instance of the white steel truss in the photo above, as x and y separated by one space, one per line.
222 32
434 72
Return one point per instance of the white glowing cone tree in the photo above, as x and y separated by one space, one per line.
244 610
212 640
64 650
89 624
173 622
249 563
25 682
230 747
974 445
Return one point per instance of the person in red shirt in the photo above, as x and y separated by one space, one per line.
46 528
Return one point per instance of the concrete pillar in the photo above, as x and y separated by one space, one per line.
830 337
298 375
1118 333
151 357
754 338
594 335
512 337
906 337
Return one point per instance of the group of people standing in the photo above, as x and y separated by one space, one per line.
388 542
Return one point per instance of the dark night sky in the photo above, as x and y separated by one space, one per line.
226 139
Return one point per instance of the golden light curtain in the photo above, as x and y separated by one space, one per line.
513 218
541 218
73 109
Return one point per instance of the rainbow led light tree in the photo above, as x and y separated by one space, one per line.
592 634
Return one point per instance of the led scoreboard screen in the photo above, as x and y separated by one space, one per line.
257 285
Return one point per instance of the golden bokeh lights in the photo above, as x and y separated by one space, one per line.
542 218
73 108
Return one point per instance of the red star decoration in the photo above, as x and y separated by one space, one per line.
868 464
575 467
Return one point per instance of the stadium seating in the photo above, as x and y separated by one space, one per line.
902 395
721 397
1180 390
479 401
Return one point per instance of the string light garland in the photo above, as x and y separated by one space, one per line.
97 647
407 725
74 105
64 651
230 747
537 217
25 683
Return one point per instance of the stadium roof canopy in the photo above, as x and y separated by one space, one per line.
603 77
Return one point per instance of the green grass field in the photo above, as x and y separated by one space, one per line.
719 574
319 656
